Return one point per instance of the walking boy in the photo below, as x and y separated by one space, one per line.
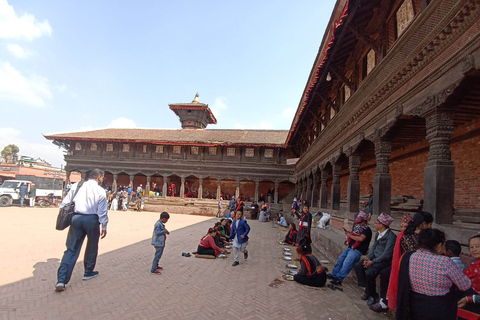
239 234
158 241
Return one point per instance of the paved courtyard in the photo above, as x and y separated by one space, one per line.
188 288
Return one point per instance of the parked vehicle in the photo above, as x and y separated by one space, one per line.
9 191
50 200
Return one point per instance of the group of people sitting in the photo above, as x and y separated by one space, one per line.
421 274
227 231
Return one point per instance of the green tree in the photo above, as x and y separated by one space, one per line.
9 152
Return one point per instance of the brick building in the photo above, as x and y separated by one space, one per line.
393 100
210 162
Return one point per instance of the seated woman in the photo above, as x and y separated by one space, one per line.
281 220
225 231
311 272
427 280
219 240
291 237
471 299
207 245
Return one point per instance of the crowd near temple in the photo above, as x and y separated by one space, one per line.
390 115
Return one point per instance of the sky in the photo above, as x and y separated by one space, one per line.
68 66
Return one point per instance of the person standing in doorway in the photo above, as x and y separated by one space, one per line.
90 213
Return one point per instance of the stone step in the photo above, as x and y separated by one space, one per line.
467 212
466 219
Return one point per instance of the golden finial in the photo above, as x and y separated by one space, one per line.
195 100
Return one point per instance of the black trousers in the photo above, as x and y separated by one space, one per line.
206 251
316 280
366 277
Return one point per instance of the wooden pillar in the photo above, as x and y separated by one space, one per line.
200 188
314 198
165 187
382 181
182 186
323 189
308 193
237 189
219 188
275 194
256 189
439 174
353 189
147 187
335 200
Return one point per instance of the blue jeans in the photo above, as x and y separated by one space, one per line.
345 263
22 199
156 259
82 225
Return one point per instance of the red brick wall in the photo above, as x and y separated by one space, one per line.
407 169
466 155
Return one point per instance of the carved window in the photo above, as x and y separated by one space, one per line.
212 151
194 150
268 153
93 147
144 149
346 93
370 61
109 147
158 149
404 16
126 148
78 146
177 149
249 152
230 152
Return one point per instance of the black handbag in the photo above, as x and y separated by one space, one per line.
65 215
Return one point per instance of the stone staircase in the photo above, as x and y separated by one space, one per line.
204 207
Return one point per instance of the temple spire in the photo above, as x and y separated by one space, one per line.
195 100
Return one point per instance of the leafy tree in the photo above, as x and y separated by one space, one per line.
9 151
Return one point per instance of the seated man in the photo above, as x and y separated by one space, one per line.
378 261
351 255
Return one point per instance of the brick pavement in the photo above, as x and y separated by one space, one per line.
188 288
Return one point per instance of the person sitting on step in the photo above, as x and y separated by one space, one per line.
311 272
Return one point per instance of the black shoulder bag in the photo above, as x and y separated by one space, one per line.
64 218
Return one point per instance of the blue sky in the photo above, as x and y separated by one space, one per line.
70 66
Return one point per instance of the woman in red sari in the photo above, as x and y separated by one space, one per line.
407 240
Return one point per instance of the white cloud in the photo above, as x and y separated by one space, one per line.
61 88
289 113
122 123
32 90
218 105
18 51
25 27
46 150
263 125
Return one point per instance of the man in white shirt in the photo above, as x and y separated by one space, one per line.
90 213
